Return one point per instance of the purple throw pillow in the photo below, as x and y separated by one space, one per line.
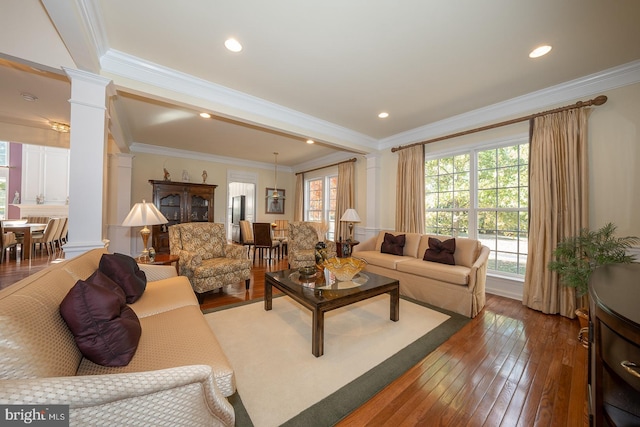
125 271
393 244
441 252
105 329
99 278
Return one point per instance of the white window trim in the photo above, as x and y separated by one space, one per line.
473 150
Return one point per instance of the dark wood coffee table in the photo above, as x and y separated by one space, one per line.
315 295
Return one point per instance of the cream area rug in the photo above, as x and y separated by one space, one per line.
277 377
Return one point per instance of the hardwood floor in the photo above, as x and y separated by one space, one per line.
509 366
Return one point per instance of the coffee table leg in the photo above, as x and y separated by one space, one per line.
395 305
268 295
317 334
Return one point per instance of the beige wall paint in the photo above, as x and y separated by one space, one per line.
614 162
150 166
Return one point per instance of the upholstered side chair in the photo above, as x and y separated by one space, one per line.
303 237
206 259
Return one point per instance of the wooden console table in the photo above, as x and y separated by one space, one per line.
614 374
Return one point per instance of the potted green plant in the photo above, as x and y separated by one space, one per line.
576 257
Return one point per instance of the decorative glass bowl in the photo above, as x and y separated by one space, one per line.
344 268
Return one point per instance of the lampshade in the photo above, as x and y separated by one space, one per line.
144 214
350 215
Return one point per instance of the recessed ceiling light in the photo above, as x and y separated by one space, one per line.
205 115
540 51
233 45
310 141
383 115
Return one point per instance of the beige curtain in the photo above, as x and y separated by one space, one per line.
345 197
558 205
298 202
410 190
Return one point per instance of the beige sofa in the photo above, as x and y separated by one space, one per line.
459 288
179 374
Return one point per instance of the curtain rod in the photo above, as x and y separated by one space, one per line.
328 166
599 100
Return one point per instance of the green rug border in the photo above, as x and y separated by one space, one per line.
345 400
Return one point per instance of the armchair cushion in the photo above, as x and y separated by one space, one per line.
106 330
125 271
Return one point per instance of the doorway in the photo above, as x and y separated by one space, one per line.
240 184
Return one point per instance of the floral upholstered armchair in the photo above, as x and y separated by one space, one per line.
303 237
206 258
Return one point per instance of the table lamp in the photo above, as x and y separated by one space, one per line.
350 216
143 214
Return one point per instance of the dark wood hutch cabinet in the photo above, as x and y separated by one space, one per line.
614 348
180 202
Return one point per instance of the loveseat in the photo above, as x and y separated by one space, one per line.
459 288
178 375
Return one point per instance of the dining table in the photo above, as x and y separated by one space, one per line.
24 229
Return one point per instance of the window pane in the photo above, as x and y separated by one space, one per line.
487 198
486 178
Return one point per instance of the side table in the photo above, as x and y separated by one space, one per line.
344 248
163 259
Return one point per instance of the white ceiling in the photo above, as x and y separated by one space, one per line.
308 69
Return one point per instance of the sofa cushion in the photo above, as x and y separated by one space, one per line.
455 274
411 243
441 252
382 260
393 245
105 329
125 271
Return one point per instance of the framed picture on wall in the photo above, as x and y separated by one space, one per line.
275 206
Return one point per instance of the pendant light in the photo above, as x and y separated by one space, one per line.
275 195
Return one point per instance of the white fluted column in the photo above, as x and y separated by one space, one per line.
87 175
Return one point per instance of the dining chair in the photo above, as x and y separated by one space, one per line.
246 235
48 236
263 240
7 241
281 233
57 238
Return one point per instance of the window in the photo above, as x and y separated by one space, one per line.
483 194
320 203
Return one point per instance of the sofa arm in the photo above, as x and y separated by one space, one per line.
189 260
235 252
158 272
185 395
367 245
478 273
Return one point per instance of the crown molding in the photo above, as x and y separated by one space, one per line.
193 155
231 103
592 84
